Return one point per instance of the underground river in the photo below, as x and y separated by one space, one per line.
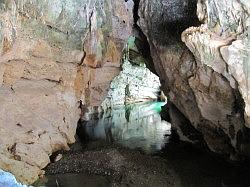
132 146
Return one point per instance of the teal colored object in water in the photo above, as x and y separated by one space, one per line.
156 106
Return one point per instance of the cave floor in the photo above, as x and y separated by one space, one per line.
110 165
137 153
99 163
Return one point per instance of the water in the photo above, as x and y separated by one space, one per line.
140 127
137 126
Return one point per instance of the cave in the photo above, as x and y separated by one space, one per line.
124 93
130 113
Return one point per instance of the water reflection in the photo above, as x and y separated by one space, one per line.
133 126
140 126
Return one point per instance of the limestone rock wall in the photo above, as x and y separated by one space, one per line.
52 55
133 84
208 87
222 44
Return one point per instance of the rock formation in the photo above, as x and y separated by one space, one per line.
53 55
58 55
208 87
135 83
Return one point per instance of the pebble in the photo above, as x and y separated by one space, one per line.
58 157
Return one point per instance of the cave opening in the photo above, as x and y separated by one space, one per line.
130 113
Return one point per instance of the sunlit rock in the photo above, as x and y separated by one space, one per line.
54 55
133 84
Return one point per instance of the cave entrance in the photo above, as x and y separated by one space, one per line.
131 111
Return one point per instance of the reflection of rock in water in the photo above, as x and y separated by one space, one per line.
81 131
108 132
134 126
127 112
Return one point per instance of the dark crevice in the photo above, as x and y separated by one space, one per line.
239 104
135 10
81 132
54 28
143 46
171 19
141 40
172 114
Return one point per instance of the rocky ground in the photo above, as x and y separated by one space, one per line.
120 166
99 163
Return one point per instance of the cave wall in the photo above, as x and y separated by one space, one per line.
54 54
203 67
59 52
